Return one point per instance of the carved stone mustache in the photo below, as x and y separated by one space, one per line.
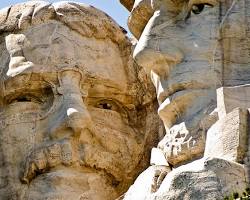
43 158
65 153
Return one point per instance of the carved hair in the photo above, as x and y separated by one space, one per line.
84 19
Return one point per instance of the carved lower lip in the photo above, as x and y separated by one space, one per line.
68 182
66 173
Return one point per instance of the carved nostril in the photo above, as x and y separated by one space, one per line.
70 123
78 120
159 61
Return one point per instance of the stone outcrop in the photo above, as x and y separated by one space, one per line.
77 115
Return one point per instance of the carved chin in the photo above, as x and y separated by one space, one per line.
183 143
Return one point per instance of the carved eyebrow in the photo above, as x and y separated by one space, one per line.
107 83
179 2
32 85
14 81
124 98
26 78
212 2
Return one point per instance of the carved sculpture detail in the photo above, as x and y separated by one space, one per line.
75 119
197 53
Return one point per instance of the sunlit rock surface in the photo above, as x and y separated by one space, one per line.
197 54
77 115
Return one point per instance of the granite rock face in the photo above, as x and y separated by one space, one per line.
77 115
197 54
127 3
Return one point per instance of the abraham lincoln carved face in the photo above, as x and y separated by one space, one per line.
190 48
179 44
70 105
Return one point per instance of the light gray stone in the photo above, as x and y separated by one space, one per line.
228 137
190 49
229 98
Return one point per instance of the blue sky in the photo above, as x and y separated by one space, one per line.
112 7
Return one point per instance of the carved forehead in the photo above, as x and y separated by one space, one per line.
63 34
52 47
143 10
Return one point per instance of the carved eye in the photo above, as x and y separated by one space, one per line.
112 107
198 8
107 105
26 98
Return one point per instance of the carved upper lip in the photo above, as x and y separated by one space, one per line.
172 89
176 99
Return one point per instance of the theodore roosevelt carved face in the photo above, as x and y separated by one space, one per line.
72 121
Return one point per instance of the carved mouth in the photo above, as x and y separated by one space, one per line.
174 107
66 172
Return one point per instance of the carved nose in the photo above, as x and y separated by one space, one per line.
159 59
72 117
77 118
155 51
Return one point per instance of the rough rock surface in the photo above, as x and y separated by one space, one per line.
127 3
140 14
203 179
197 53
76 118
